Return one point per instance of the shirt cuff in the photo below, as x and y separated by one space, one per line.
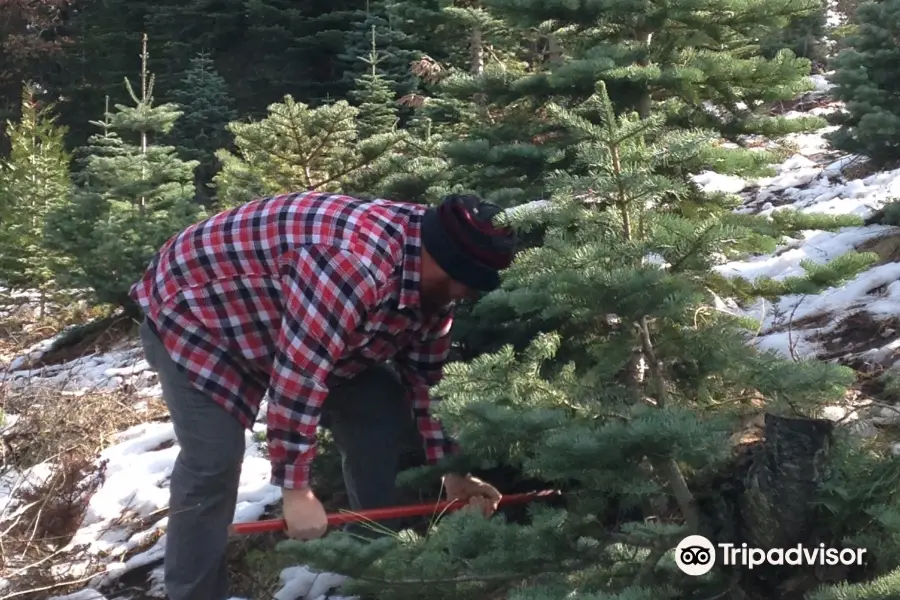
290 477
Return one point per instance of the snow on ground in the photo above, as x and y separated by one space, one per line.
811 181
137 469
812 186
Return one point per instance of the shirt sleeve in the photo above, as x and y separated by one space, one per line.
327 293
421 366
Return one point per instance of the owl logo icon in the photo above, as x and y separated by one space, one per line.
695 555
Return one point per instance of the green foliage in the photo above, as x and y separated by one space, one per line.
619 273
602 365
34 181
376 26
804 35
695 57
891 214
456 35
865 80
882 588
713 79
374 96
301 148
201 130
130 198
335 147
865 477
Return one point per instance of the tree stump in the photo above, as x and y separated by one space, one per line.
782 481
773 507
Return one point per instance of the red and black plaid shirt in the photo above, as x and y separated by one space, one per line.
285 293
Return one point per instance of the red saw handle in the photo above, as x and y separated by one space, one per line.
376 514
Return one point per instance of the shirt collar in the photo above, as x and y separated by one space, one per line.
411 264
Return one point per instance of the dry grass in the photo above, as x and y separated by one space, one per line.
50 424
60 436
22 324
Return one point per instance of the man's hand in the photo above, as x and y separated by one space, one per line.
304 514
472 490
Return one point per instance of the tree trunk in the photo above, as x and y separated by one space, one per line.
476 48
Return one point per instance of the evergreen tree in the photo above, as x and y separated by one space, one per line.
421 173
33 39
399 49
105 40
201 131
696 62
458 35
630 399
865 81
301 148
131 197
805 35
33 182
184 29
308 38
374 97
338 147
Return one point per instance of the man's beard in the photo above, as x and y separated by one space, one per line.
435 301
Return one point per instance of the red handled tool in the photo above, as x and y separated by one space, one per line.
393 512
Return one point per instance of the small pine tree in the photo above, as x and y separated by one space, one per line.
374 97
202 129
865 80
130 198
375 25
630 399
696 61
34 181
301 148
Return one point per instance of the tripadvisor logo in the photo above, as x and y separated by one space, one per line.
695 555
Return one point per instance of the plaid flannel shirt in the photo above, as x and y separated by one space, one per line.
285 293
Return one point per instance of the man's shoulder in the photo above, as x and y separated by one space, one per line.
348 214
377 232
383 229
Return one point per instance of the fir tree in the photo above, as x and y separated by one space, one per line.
301 148
104 44
374 97
201 131
34 181
308 38
629 398
805 35
459 35
399 49
421 173
698 63
184 29
131 197
865 80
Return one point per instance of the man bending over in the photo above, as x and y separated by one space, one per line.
340 310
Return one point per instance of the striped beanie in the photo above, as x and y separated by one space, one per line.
461 236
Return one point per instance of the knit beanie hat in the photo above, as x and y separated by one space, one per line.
461 236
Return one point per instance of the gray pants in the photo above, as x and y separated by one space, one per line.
369 421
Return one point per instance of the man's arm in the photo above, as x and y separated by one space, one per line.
327 293
421 366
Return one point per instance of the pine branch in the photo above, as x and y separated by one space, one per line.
359 165
658 546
